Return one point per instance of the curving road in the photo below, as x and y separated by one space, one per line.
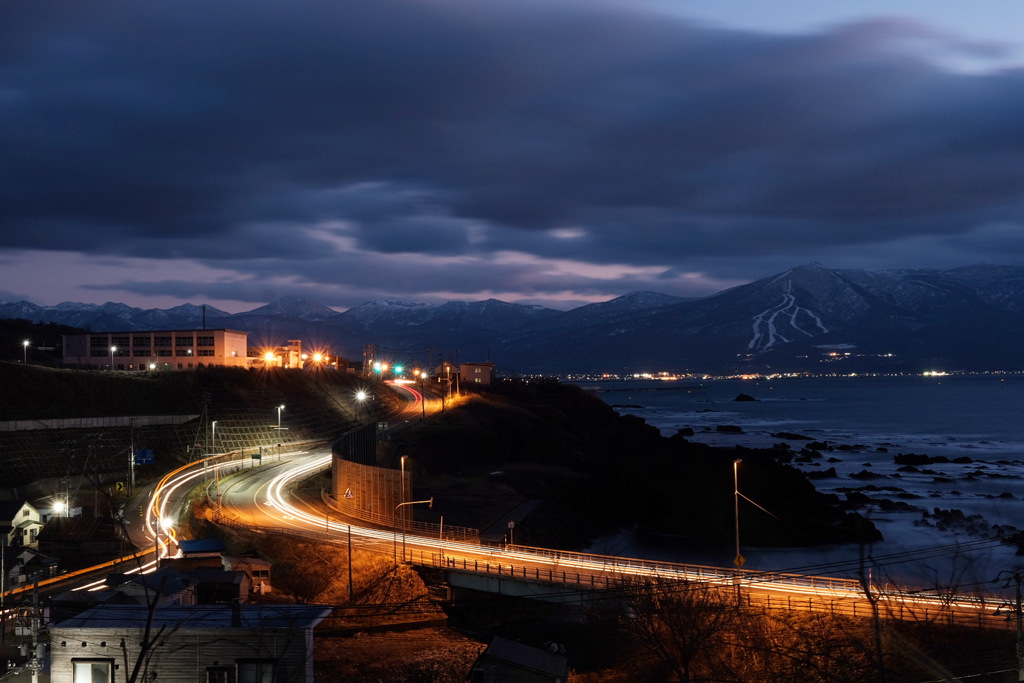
260 497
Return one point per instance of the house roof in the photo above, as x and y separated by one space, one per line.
201 545
527 657
8 509
198 617
79 529
236 561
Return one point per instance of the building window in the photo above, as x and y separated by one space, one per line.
255 671
184 341
204 341
161 341
205 352
98 342
220 674
163 352
91 670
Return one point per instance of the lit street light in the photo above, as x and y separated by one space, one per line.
25 345
112 349
736 509
213 435
279 409
402 500
361 396
394 526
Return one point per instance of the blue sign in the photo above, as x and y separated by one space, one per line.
144 456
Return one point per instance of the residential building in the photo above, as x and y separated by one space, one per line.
20 524
210 643
477 373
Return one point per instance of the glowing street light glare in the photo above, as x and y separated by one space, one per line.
166 523
360 395
268 356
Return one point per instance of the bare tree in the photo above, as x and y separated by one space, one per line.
674 621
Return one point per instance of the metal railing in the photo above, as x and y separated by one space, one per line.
448 532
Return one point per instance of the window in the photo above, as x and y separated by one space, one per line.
163 352
91 670
220 674
255 671
99 342
183 341
205 352
204 341
161 341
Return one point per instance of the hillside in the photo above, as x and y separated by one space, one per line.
592 472
318 406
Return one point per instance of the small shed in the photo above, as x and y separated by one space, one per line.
258 571
505 661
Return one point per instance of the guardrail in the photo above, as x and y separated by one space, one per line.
888 606
448 532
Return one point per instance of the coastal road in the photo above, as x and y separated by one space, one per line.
262 498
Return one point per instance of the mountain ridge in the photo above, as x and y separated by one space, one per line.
968 318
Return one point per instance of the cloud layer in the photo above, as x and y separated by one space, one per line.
240 151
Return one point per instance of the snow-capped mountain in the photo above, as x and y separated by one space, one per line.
807 318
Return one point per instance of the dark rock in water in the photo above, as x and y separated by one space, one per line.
729 429
917 459
790 436
864 474
685 431
830 473
834 459
819 446
882 449
744 397
887 505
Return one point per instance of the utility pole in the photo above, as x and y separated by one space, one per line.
1017 577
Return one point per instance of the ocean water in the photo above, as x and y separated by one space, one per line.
868 420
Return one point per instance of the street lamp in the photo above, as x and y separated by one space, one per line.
279 409
59 507
736 512
402 500
361 397
394 526
213 436
25 346
112 349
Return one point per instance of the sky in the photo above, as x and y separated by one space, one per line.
551 152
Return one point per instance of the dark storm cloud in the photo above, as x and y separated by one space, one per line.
285 139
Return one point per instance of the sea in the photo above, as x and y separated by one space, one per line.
977 420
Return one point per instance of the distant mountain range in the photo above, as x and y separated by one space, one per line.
809 318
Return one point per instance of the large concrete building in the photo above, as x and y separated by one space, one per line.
165 350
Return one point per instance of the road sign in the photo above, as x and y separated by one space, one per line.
144 456
739 560
119 486
349 494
